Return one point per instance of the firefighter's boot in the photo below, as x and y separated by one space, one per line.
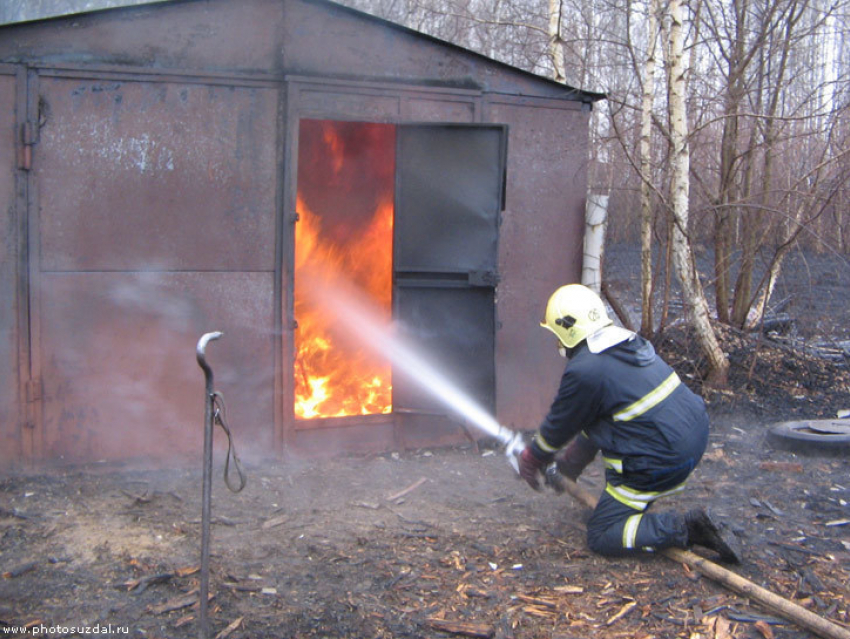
704 531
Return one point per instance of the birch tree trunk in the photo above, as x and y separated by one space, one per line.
646 216
683 258
596 219
556 43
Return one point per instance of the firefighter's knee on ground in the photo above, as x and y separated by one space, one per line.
605 545
594 543
605 542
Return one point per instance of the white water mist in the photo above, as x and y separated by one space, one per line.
349 309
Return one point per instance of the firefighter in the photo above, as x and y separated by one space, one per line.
618 396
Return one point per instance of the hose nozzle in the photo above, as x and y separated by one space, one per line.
514 445
553 478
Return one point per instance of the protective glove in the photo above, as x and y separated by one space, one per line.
530 467
575 457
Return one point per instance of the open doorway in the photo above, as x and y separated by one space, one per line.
344 236
405 219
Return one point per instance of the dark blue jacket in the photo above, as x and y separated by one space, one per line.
631 405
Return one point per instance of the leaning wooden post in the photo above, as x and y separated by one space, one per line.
779 605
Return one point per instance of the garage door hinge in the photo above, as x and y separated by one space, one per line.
29 134
35 390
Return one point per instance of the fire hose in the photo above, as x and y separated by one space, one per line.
214 413
773 602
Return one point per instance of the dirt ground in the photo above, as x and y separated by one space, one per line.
329 550
441 542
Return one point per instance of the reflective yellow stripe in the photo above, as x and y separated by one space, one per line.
630 530
614 464
651 399
544 445
637 499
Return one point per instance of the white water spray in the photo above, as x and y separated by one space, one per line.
353 313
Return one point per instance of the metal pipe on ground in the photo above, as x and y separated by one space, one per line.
770 600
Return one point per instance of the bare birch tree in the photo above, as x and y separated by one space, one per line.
556 42
646 208
680 199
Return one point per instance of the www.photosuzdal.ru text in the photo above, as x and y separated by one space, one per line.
63 630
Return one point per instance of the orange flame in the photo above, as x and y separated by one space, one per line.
335 377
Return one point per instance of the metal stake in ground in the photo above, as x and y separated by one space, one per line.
206 498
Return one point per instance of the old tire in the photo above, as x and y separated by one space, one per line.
812 436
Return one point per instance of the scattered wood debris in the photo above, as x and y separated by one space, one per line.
781 467
5 512
409 489
622 612
139 499
142 583
18 571
464 628
177 603
231 627
274 522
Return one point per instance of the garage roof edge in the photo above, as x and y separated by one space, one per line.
568 92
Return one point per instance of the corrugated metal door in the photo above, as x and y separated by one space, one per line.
449 194
155 224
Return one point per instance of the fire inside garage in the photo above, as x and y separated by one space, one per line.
344 233
167 175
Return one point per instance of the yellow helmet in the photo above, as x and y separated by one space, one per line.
574 312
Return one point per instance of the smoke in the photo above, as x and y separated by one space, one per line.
121 381
345 172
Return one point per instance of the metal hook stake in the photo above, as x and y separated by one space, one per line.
206 499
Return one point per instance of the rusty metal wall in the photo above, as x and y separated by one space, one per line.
540 246
163 202
154 175
10 445
156 221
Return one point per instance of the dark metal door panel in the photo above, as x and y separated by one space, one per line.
452 329
449 195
